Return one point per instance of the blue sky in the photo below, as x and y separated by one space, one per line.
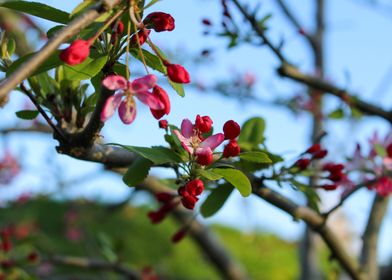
357 57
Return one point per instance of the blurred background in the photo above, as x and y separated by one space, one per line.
70 207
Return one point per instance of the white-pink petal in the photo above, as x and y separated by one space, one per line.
127 115
187 128
150 100
185 142
110 106
213 141
115 82
203 151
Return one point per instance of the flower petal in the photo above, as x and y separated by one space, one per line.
185 142
115 82
213 141
149 81
110 106
127 115
187 128
150 100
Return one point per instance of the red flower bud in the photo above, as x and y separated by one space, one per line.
302 163
178 236
189 201
231 129
204 159
203 124
231 149
181 191
120 27
320 154
164 197
177 73
206 22
161 94
159 21
142 34
156 216
76 53
163 124
194 187
329 187
313 149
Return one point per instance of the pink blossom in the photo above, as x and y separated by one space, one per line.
192 142
9 168
383 186
123 99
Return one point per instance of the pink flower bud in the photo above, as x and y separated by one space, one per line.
142 34
178 236
189 201
161 94
163 124
76 53
194 187
204 158
120 27
302 163
231 129
313 149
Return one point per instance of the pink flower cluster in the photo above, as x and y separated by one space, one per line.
9 168
191 137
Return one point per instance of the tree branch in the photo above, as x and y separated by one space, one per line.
92 264
317 223
293 73
370 237
27 68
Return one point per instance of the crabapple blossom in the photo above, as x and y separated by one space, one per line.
123 99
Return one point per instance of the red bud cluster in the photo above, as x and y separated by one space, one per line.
190 193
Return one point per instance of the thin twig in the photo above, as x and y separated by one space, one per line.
55 128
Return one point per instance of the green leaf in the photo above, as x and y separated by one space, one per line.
39 10
137 172
208 174
216 200
236 178
258 157
51 62
252 131
11 46
156 154
179 88
86 70
151 59
310 193
380 150
81 7
337 114
27 114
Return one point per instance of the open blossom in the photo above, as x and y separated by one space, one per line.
192 142
123 99
76 53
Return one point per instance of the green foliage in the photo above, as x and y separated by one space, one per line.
257 157
127 235
208 174
215 200
156 154
137 172
86 70
252 133
27 114
337 114
38 9
236 178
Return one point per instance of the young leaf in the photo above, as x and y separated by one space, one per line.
252 131
380 150
236 178
258 157
88 69
208 174
27 114
38 10
137 172
151 59
216 200
311 194
337 114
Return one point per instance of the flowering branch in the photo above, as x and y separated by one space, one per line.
67 32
